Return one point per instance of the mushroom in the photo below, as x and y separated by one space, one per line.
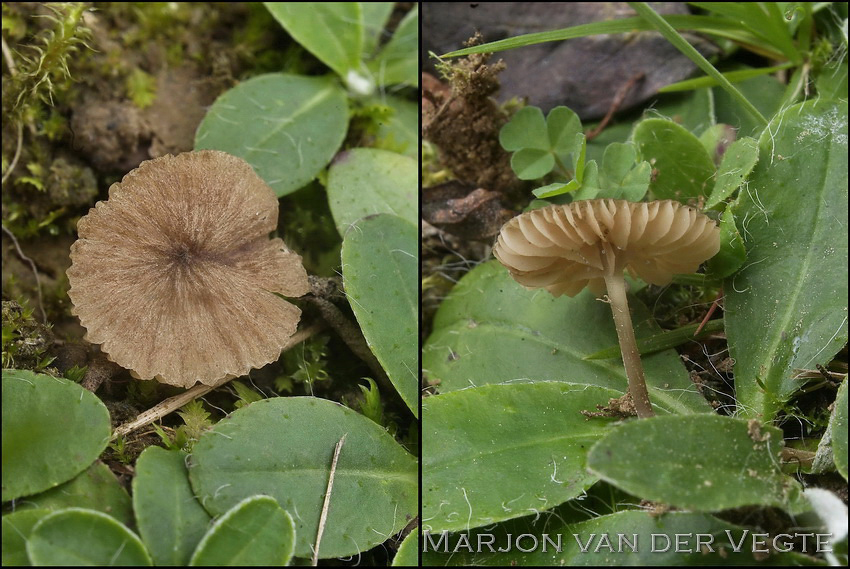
564 248
175 275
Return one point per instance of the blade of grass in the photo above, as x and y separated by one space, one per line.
662 341
721 27
763 19
732 76
644 11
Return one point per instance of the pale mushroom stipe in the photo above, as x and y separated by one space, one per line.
564 248
175 274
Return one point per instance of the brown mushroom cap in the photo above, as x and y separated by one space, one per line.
174 274
562 247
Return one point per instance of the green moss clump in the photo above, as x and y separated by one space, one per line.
25 340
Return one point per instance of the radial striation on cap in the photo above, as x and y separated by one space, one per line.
174 275
564 248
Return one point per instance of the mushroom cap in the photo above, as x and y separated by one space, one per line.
174 275
564 248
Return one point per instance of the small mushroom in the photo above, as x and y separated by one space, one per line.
564 248
175 275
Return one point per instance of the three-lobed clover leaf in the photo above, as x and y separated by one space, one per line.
540 143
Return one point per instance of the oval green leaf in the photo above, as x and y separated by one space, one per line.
17 528
332 31
564 126
787 308
491 330
682 168
532 163
254 532
408 552
526 129
287 127
366 181
380 268
375 15
96 488
53 429
398 62
170 520
700 462
502 451
82 537
375 488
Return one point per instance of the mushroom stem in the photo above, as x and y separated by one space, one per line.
616 285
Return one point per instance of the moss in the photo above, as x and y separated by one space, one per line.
26 341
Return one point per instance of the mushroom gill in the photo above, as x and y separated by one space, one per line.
175 275
564 248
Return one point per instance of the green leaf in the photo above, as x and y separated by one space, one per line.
170 520
682 168
400 132
255 532
245 394
618 161
564 127
738 161
706 24
731 76
398 61
366 181
375 489
839 430
41 446
787 308
589 186
620 177
332 31
764 20
556 189
17 528
375 15
408 552
84 537
732 254
491 330
832 81
694 111
371 405
716 139
380 267
96 488
532 163
538 143
526 129
287 127
580 145
502 451
698 462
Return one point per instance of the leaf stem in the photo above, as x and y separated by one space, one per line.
616 285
